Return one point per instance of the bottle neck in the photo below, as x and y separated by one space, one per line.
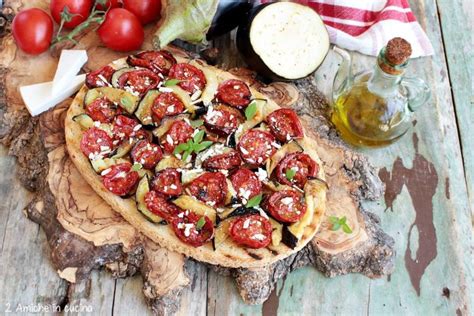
385 77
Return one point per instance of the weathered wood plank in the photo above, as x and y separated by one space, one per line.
27 277
457 19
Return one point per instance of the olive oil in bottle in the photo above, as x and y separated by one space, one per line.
375 108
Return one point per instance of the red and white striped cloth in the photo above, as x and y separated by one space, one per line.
367 25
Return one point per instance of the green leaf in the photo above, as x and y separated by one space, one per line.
137 166
198 137
126 102
186 155
251 110
290 174
196 123
335 226
180 148
343 220
200 223
346 228
333 219
255 201
200 147
171 82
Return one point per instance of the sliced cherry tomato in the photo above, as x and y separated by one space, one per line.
167 182
120 179
285 125
227 161
102 110
166 104
178 133
158 205
145 10
210 188
222 119
256 146
186 229
79 9
96 142
303 166
158 61
246 183
191 78
125 127
253 231
32 30
109 4
100 78
146 153
140 80
121 30
286 206
235 93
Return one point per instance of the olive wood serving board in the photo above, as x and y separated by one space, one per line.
84 233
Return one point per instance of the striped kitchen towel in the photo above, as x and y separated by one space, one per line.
367 25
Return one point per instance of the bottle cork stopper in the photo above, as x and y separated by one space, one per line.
398 51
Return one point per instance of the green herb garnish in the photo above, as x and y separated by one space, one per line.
251 110
290 174
196 123
337 223
200 223
255 201
137 166
194 145
171 82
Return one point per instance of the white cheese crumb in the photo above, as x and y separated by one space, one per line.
261 174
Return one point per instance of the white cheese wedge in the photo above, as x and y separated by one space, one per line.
39 97
70 63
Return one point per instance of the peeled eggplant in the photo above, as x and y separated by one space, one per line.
283 40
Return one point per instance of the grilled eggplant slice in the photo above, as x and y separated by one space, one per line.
142 189
187 202
143 112
84 120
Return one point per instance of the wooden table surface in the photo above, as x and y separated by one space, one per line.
428 206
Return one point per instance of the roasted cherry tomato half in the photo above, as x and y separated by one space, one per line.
96 142
185 226
235 93
158 61
102 110
256 146
302 166
120 179
146 153
191 78
166 104
246 183
167 182
222 119
253 231
285 125
159 205
286 206
139 81
210 188
100 78
226 161
178 133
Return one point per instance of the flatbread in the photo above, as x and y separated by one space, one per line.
228 254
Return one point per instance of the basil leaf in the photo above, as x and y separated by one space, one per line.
200 223
343 220
290 174
251 110
202 146
333 219
346 228
196 123
137 166
186 155
198 137
335 226
180 148
171 82
255 201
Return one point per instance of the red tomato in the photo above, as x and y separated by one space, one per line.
121 31
79 9
32 30
145 10
109 4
